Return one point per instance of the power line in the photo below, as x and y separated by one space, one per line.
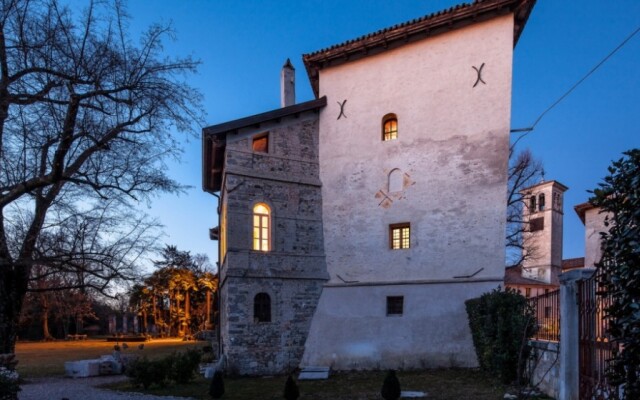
568 92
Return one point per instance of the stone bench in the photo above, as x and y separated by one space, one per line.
76 337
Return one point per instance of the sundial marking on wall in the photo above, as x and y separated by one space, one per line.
479 77
342 109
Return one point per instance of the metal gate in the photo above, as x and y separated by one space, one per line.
596 346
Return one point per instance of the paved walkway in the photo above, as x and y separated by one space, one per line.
80 389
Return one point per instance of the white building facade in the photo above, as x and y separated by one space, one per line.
413 147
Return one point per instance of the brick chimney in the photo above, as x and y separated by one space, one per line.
287 85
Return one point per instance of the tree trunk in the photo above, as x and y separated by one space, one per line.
12 291
208 323
187 313
46 335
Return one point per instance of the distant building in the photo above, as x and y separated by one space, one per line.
539 272
542 239
354 226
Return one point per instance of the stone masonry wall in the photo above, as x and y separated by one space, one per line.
293 271
276 347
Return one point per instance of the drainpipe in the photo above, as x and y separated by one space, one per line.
219 262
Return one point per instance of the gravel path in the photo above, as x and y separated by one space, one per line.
80 389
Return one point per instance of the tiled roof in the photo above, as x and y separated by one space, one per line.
571 263
513 276
582 208
416 29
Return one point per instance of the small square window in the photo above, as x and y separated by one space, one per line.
400 236
395 305
261 143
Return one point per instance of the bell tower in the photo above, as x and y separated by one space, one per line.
542 233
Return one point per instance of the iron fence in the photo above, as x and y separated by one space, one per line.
546 308
595 344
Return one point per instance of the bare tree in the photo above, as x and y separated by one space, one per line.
524 171
85 123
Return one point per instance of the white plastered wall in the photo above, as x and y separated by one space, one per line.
453 148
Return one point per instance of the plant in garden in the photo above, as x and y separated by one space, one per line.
391 386
216 389
184 366
141 372
291 391
619 197
9 378
501 323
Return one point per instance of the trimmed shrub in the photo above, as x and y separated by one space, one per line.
291 391
216 389
141 372
501 323
391 386
178 368
184 366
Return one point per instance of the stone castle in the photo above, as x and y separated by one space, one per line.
353 227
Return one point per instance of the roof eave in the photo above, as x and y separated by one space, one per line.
431 25
214 139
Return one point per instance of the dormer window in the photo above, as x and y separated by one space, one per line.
389 127
261 143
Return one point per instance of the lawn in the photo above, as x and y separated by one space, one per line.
39 359
439 384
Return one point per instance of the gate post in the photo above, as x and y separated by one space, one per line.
569 388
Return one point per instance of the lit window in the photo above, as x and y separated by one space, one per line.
261 143
541 201
400 236
395 305
389 127
262 308
261 227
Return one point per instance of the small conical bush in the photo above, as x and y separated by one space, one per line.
391 386
216 389
291 391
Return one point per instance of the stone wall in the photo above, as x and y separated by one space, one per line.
258 348
545 365
293 270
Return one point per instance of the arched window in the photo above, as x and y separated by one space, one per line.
532 203
262 308
261 227
557 204
389 127
541 201
395 181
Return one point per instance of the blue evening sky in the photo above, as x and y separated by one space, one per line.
243 44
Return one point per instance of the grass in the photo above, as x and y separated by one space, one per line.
439 384
40 359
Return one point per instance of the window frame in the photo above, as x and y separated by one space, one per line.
257 138
392 133
262 308
395 306
259 243
400 228
542 202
